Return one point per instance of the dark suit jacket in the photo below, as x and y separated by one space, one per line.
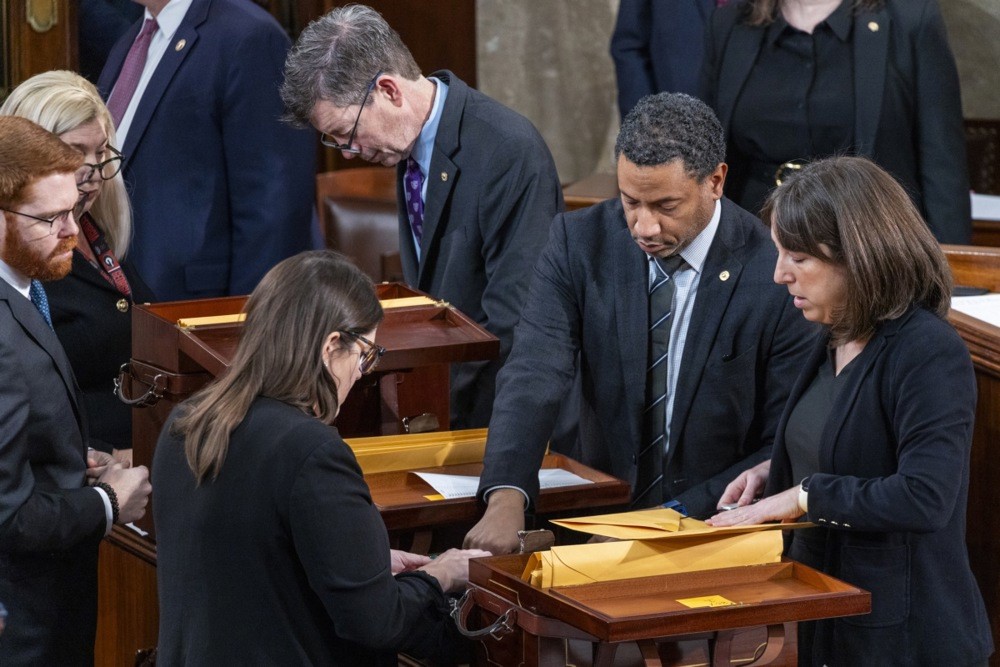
744 347
97 337
657 47
222 190
892 490
491 194
283 559
50 522
907 102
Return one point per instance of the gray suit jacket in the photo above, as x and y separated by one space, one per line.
744 347
50 522
491 193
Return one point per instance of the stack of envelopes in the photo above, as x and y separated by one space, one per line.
388 453
651 542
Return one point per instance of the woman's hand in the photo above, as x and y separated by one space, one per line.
451 568
746 487
781 507
404 561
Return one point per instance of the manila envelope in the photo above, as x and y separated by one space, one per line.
629 559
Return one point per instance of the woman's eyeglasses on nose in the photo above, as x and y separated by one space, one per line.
370 353
105 170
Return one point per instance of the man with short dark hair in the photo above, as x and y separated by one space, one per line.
51 520
476 185
687 347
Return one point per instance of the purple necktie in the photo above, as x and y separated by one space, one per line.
128 78
414 201
721 3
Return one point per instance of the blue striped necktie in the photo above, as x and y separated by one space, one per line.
649 475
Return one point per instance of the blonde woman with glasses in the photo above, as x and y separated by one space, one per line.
91 307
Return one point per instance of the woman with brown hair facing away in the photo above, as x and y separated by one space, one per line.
269 548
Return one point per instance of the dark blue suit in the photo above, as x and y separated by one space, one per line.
588 299
222 189
657 47
892 492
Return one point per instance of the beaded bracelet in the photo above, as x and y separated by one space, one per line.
113 497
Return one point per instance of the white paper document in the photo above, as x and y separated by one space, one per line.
985 307
465 486
985 207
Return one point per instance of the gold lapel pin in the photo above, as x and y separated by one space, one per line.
181 43
444 176
724 276
873 26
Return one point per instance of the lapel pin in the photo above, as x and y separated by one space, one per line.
181 43
724 276
444 175
873 26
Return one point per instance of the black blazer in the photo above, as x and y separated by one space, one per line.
50 522
744 347
892 491
657 47
96 334
283 559
908 107
491 194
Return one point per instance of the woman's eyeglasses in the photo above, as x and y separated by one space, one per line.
370 353
105 170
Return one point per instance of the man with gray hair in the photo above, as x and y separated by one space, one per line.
687 347
476 185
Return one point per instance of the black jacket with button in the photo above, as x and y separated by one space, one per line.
892 492
95 329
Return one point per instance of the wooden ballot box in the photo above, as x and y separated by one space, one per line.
178 347
522 624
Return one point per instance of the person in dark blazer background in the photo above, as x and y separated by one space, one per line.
56 500
742 340
657 47
483 177
873 446
874 78
91 307
269 548
221 189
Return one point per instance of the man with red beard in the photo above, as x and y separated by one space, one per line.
56 500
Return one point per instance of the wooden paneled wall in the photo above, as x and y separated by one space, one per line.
36 36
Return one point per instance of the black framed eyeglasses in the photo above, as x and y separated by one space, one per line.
330 142
61 217
370 355
105 170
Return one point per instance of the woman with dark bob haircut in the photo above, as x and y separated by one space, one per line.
269 548
873 445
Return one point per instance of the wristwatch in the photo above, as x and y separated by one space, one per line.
804 494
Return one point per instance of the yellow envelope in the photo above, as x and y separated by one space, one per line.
659 523
389 453
638 525
629 559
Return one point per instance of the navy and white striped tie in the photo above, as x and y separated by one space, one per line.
649 475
